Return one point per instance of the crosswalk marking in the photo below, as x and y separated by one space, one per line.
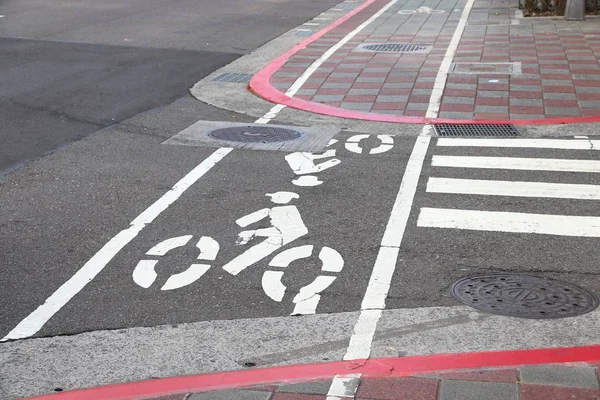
497 221
513 163
513 188
566 144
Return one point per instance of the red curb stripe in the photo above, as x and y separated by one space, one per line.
261 86
373 368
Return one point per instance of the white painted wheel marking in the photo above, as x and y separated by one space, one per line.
315 287
209 248
187 277
271 283
285 258
332 260
169 244
144 273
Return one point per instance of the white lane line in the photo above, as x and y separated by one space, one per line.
499 221
36 320
440 80
385 264
373 302
513 188
318 62
514 163
522 143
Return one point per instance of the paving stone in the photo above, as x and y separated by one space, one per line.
363 92
317 387
539 392
398 85
296 396
336 85
306 92
493 375
370 79
528 88
392 99
231 394
358 106
527 116
344 74
572 112
590 104
492 93
466 390
526 102
491 109
390 388
417 106
458 100
559 96
562 375
328 97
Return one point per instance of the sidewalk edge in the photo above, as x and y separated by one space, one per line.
260 85
382 367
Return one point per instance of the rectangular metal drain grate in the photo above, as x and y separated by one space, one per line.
233 77
394 48
476 130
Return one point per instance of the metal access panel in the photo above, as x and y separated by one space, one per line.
394 48
476 130
255 136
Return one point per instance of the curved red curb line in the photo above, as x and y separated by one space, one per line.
382 367
260 84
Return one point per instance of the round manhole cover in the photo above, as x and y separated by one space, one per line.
255 134
524 296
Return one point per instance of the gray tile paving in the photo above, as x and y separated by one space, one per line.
527 102
231 394
458 100
358 106
527 116
363 92
574 112
331 85
561 375
589 104
463 390
491 109
318 387
526 88
559 96
497 94
392 99
328 97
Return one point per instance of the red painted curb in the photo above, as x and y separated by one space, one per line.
382 367
260 84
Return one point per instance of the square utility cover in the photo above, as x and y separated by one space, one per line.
256 136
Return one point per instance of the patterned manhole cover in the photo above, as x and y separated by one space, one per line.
524 296
395 47
255 134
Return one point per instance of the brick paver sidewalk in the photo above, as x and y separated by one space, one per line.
540 382
534 68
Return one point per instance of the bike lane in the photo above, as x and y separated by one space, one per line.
343 217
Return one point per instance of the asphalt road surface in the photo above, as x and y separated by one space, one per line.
71 68
132 253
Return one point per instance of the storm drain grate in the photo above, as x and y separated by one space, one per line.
524 296
233 77
255 134
303 32
394 47
476 130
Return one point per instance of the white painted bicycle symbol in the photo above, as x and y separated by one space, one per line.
286 226
423 9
